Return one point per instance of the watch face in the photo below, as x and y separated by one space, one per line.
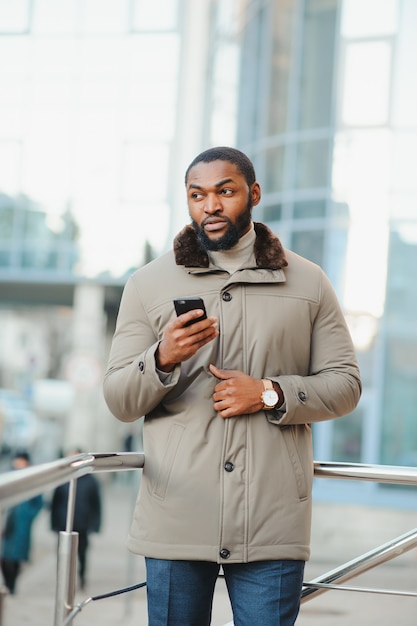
270 397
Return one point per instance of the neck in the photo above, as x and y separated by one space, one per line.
234 258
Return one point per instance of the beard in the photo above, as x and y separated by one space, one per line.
231 236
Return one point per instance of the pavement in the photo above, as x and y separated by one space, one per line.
112 567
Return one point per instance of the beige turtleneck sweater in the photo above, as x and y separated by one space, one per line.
235 258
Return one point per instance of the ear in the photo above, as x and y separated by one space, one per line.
255 191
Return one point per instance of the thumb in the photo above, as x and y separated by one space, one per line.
218 373
224 374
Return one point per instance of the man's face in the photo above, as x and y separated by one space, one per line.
220 203
19 463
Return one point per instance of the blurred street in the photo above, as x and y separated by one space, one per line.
112 567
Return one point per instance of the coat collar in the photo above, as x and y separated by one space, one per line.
268 249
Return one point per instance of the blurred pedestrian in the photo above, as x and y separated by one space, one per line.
16 539
87 514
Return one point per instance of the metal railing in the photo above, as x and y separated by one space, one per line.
19 486
389 474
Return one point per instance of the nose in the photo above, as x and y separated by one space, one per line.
212 204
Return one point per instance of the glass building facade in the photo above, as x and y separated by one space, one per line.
103 103
328 112
88 92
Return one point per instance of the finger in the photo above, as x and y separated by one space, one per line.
226 413
219 373
219 395
207 327
221 407
190 317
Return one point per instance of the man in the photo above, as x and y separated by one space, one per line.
228 468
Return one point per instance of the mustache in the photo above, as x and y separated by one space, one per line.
214 217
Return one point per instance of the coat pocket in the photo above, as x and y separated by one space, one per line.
170 452
299 474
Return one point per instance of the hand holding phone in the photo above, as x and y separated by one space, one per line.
183 305
178 345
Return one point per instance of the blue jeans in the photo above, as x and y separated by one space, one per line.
262 593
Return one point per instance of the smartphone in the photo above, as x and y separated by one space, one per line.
182 305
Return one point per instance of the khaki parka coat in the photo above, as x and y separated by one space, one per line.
237 489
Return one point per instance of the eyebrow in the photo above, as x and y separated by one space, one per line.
217 185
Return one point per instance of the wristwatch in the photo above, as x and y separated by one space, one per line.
269 396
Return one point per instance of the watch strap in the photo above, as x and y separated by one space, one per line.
267 384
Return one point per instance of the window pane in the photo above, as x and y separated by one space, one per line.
274 169
107 16
50 16
317 64
272 213
34 225
312 164
404 95
10 155
15 54
347 438
309 209
309 244
366 94
6 218
399 424
39 257
365 18
281 62
225 75
5 256
155 15
59 55
403 158
227 22
401 290
254 61
14 16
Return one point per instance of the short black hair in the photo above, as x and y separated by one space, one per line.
22 454
223 153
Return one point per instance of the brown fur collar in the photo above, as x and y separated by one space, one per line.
268 250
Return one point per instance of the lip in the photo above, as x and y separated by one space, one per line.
213 225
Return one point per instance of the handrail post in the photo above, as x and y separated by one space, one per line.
66 575
3 594
72 492
67 562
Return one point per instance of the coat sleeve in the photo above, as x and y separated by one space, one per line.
132 387
333 386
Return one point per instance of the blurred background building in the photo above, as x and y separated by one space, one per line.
103 103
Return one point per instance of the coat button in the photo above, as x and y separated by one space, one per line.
141 366
229 467
224 553
226 297
302 396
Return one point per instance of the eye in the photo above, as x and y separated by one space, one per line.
196 195
226 191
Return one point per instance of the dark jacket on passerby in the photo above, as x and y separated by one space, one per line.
17 532
87 513
15 548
